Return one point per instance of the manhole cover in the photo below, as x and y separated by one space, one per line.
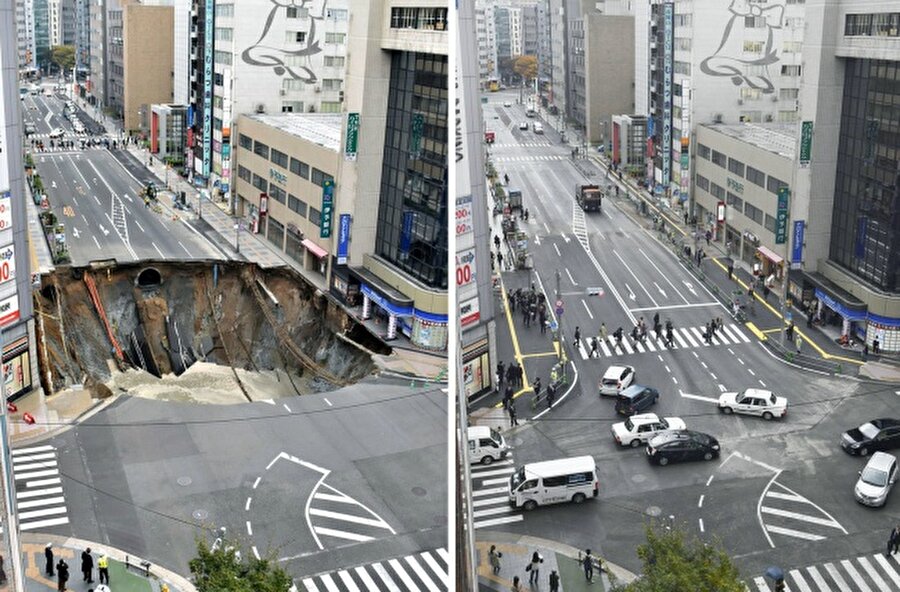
185 481
200 514
653 511
420 491
638 478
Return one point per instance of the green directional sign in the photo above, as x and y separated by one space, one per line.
327 209
352 136
781 216
806 132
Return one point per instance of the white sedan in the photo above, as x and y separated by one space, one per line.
523 125
507 104
57 133
640 429
753 401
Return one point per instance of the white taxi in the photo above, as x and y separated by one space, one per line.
754 401
640 429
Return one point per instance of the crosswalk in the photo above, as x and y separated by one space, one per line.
335 517
683 338
786 513
490 494
522 144
530 158
39 493
422 571
871 573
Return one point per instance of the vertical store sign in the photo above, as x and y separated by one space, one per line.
685 139
343 250
352 136
806 133
797 251
327 208
781 216
668 66
208 85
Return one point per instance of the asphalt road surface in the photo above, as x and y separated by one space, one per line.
319 483
782 491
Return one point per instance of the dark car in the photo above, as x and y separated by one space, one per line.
878 434
678 445
636 399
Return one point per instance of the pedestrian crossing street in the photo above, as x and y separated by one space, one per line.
422 571
522 144
490 494
39 494
335 517
873 573
530 158
683 338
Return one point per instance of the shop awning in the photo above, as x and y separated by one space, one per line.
381 293
835 297
314 248
770 255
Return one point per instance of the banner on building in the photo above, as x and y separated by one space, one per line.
343 249
668 68
352 136
781 216
7 263
797 251
464 223
208 86
806 133
465 267
5 209
327 208
9 310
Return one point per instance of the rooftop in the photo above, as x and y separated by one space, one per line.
323 129
780 138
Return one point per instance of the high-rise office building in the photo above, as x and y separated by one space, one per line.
25 34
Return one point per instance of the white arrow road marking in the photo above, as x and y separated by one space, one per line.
571 279
546 228
661 291
537 239
689 286
722 388
564 237
590 314
103 229
630 292
53 184
558 254
698 397
75 232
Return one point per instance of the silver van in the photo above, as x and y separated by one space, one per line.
486 445
876 479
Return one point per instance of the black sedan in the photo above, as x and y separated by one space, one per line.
678 445
878 434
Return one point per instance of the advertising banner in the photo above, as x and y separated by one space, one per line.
797 250
668 67
781 216
352 136
465 267
9 310
464 216
406 233
327 208
806 133
208 86
343 249
469 312
7 263
5 208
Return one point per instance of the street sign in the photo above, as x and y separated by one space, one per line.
327 206
352 136
806 133
559 307
554 325
781 217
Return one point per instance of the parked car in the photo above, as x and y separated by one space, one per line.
523 125
57 133
679 445
876 479
753 401
640 429
878 434
507 104
636 399
538 127
615 379
30 129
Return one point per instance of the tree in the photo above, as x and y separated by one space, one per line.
220 570
63 56
676 560
526 67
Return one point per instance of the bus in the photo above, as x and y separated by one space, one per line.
554 481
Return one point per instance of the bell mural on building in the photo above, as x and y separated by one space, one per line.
730 58
269 51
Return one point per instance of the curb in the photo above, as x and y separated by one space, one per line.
83 416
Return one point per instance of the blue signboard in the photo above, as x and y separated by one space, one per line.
343 250
327 208
406 233
797 251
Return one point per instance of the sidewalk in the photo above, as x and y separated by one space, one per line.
517 551
121 579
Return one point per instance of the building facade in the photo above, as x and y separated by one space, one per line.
25 34
62 22
41 12
629 142
168 133
146 49
82 39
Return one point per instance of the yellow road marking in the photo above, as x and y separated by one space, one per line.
542 354
759 334
517 352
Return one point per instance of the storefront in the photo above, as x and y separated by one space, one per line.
769 264
17 368
476 369
830 305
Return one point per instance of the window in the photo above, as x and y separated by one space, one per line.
736 167
292 84
332 83
717 190
299 168
315 216
334 62
734 201
703 151
222 57
773 184
792 47
280 158
753 213
751 94
796 1
224 34
420 18
793 22
719 158
277 193
683 20
756 176
261 149
295 37
788 116
244 173
682 68
790 70
224 10
318 177
330 107
683 43
245 141
702 182
753 46
787 94
754 22
292 107
334 38
295 12
297 205
770 223
260 183
336 14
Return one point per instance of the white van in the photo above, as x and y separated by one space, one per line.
538 127
554 481
486 445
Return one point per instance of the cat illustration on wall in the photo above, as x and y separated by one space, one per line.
268 53
729 60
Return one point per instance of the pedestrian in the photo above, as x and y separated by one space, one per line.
809 319
789 332
551 395
534 567
519 373
516 586
685 218
48 554
513 420
731 271
103 569
708 236
766 291
494 557
512 297
554 581
603 331
707 334
670 341
537 386
542 318
577 342
526 214
526 316
500 260
617 334
87 566
587 562
893 541
511 375
655 319
799 343
865 352
594 346
62 575
497 241
501 371
658 329
876 346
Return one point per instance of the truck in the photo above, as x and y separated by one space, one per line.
515 198
589 197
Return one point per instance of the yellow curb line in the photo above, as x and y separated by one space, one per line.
759 334
541 355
